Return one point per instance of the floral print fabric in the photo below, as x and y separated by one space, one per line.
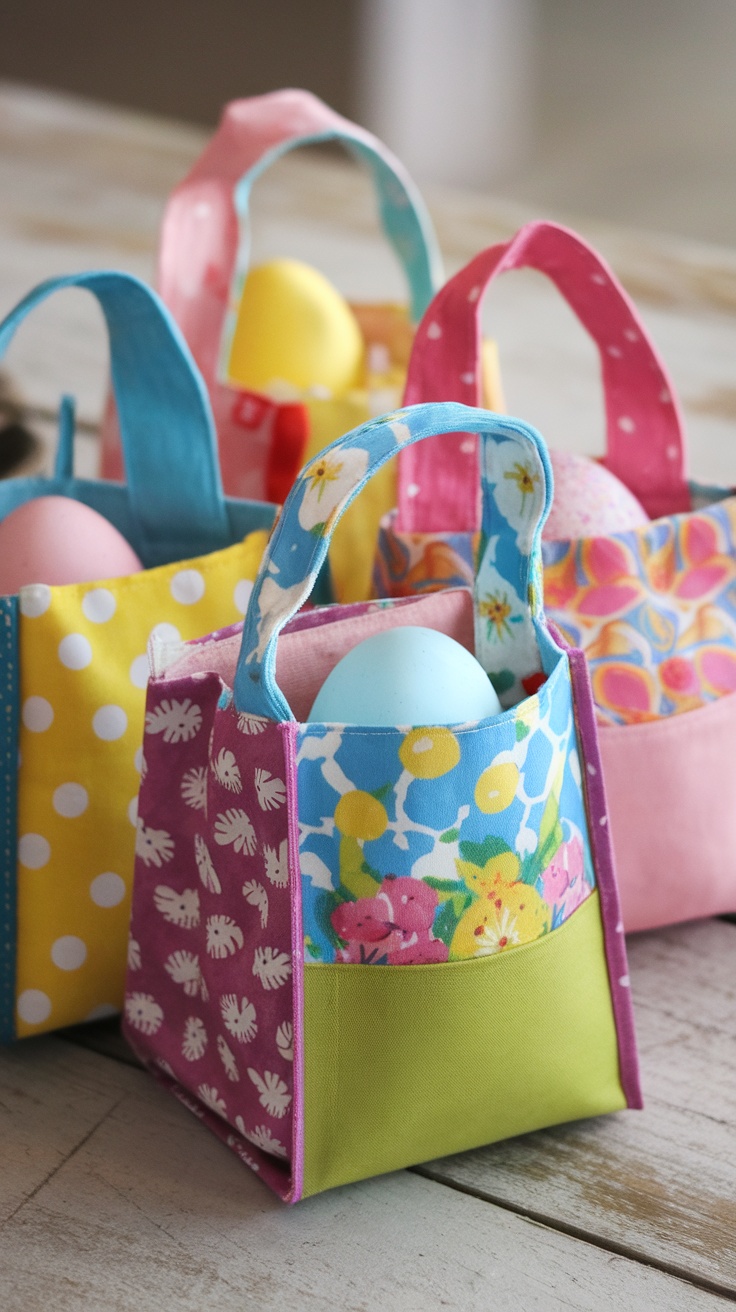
654 610
439 844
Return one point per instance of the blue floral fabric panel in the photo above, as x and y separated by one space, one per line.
436 844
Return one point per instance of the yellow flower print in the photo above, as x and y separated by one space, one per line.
360 815
495 608
496 787
328 481
429 753
524 478
318 476
505 913
479 879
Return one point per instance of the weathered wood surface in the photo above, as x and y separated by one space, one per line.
115 1198
111 1196
660 1184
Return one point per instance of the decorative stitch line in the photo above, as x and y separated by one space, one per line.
9 724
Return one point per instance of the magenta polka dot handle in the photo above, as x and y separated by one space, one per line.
438 479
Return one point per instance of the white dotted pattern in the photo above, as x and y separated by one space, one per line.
38 714
75 651
34 851
107 890
69 952
34 1007
241 595
99 605
139 672
35 600
85 670
110 723
187 587
70 800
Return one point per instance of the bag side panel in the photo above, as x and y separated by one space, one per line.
83 678
673 819
209 1003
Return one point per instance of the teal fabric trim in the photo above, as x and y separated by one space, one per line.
403 215
9 718
174 488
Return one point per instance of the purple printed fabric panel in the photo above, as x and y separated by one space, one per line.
209 1002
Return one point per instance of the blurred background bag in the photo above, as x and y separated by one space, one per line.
164 553
640 572
289 365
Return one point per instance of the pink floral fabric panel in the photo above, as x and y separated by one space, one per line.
654 610
209 1002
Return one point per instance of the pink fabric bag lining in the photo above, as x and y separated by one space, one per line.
308 652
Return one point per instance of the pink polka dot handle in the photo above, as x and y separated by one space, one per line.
438 479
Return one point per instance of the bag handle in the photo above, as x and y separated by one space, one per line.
645 434
168 438
201 236
516 485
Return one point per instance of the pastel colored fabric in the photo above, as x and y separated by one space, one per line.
320 882
652 604
75 667
654 610
204 257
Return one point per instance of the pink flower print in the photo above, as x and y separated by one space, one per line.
564 886
361 922
410 903
394 927
708 567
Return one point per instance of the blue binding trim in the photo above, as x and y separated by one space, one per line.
9 725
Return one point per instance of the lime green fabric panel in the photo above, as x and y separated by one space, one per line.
407 1063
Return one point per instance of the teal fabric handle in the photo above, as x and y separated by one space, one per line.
173 476
402 212
516 483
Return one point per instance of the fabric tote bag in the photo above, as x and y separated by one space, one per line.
652 606
356 948
204 259
74 663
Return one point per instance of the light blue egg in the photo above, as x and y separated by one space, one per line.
406 676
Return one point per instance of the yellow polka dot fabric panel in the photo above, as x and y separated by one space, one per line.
83 672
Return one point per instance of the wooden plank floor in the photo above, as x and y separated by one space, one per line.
111 1195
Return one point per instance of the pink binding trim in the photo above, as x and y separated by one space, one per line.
600 837
438 479
289 730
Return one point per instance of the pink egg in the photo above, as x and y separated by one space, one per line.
589 500
56 540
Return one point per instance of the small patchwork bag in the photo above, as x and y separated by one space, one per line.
356 948
74 663
204 258
652 607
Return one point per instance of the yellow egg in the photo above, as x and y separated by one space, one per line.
294 327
